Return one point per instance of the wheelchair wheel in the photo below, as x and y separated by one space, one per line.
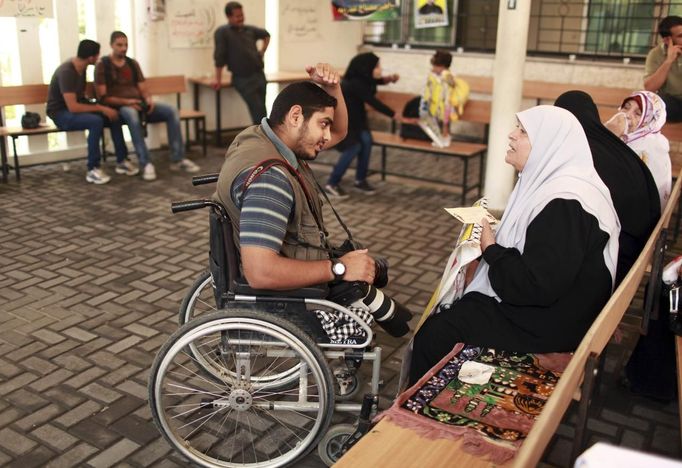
198 300
238 420
329 448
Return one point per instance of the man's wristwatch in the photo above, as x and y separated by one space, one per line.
338 269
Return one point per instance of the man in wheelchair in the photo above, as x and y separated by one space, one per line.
273 199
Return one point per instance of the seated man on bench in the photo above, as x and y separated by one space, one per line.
274 201
70 110
120 84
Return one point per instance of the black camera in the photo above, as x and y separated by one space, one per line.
144 110
389 314
381 264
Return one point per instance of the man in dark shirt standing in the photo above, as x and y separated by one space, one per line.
235 46
68 108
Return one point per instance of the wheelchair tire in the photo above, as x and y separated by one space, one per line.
330 446
232 422
198 300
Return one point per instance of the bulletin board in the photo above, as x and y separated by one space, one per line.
299 20
26 8
191 23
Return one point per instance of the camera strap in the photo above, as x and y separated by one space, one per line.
264 165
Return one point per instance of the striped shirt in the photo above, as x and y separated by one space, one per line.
265 208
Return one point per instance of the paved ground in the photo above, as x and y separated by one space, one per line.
91 279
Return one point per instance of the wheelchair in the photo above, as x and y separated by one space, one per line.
250 378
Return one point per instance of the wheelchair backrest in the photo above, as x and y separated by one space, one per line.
224 261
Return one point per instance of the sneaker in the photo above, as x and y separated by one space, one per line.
127 168
185 165
335 191
364 187
149 173
97 176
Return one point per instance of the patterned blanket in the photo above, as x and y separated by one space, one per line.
492 415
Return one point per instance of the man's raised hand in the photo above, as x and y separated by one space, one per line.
323 74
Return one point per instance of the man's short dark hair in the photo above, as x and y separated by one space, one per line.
115 35
87 48
306 94
442 58
666 25
231 6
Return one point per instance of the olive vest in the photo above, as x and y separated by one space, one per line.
251 147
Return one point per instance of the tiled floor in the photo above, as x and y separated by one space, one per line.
90 282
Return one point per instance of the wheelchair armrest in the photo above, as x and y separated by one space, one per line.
319 291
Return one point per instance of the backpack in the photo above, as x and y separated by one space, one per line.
411 109
109 70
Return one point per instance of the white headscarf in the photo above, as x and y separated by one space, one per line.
559 166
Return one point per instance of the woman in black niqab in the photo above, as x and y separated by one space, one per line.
630 182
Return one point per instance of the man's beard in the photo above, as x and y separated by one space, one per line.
299 148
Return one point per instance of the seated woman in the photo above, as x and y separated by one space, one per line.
632 187
638 123
549 272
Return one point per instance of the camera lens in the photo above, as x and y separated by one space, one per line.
380 272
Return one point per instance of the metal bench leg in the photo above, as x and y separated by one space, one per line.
218 123
16 159
203 134
585 396
3 155
383 163
187 142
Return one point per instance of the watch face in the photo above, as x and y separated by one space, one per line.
339 268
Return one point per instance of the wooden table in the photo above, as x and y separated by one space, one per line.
372 450
199 81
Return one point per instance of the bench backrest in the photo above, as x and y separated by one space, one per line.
594 342
166 84
475 110
24 94
29 94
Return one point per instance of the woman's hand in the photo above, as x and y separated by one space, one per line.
487 235
618 124
469 272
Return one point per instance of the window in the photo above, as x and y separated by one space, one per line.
590 28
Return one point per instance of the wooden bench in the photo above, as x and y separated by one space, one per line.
176 84
475 111
37 94
608 99
390 445
21 95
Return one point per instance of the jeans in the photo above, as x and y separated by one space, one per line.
94 123
252 90
362 149
162 113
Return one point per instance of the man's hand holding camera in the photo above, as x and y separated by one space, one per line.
359 266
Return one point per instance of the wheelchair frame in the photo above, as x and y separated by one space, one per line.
215 351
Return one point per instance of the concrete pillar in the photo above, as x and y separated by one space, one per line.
510 56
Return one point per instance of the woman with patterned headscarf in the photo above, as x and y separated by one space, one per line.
359 86
550 268
638 123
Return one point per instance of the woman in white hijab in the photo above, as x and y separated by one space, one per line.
549 270
638 123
